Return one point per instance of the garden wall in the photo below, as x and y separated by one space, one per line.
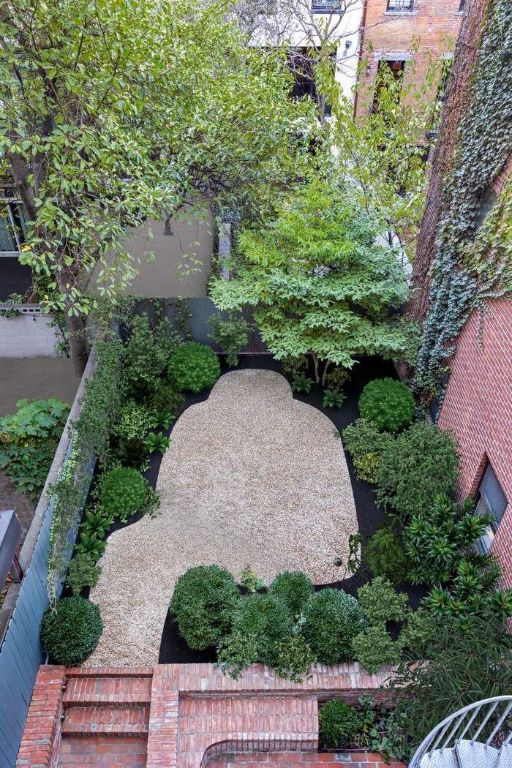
29 334
24 605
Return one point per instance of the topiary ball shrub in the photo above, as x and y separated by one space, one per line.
294 589
204 601
339 724
123 492
71 632
194 367
388 404
332 619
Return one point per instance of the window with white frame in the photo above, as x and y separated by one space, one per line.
491 500
12 224
400 5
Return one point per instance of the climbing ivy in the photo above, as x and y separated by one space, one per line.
471 264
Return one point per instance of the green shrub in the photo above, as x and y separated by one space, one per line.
157 442
146 356
331 621
71 632
294 589
385 556
167 399
339 724
231 335
294 659
336 378
135 421
203 603
420 464
194 367
365 444
419 632
301 383
122 492
83 572
295 365
28 439
388 404
375 647
381 602
250 580
333 398
435 540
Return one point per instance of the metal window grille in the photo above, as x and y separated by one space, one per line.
326 6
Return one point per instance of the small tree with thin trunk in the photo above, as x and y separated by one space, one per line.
319 283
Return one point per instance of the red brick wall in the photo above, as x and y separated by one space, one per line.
431 28
478 410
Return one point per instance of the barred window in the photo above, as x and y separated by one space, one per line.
400 5
326 6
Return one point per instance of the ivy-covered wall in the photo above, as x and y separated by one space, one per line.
473 260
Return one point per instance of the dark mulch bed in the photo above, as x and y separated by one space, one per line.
173 648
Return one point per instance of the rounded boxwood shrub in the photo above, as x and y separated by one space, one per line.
339 724
123 492
388 404
194 367
332 619
203 603
71 632
294 589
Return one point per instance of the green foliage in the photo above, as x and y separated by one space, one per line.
167 400
339 724
294 589
122 492
317 281
71 631
337 377
381 602
301 383
468 661
204 601
135 421
294 659
250 581
375 647
28 440
147 355
194 367
419 632
83 572
333 398
231 335
435 540
365 443
419 464
295 365
388 404
463 275
331 621
261 623
385 555
157 442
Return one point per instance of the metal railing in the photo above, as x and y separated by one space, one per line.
485 721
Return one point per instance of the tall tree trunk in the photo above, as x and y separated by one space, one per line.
324 374
316 363
75 326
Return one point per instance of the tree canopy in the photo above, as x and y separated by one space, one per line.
115 112
318 281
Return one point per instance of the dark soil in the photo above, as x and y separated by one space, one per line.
173 648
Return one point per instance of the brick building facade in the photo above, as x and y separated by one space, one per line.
399 32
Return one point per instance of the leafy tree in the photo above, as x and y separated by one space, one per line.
115 112
318 282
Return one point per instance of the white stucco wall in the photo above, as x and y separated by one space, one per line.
28 335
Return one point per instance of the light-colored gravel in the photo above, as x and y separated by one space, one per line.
252 476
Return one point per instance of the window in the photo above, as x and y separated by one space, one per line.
490 500
326 6
12 224
400 5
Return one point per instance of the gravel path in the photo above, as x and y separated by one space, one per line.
252 476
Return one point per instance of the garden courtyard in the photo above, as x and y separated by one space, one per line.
252 477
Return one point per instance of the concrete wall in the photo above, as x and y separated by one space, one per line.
28 335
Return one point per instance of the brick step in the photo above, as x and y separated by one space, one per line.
109 672
108 691
106 720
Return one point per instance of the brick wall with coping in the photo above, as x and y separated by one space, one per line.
191 708
478 410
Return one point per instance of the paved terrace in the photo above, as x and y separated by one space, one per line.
187 716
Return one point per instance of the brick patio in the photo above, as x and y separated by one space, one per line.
187 716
